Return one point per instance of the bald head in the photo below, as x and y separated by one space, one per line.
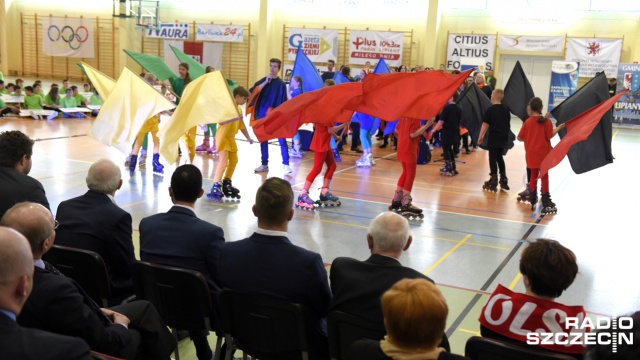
389 233
104 177
16 270
33 221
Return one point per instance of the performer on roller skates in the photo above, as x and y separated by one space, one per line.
408 131
320 144
536 133
450 124
228 151
498 118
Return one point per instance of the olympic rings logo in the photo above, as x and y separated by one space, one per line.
68 36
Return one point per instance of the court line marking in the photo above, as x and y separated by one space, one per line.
476 333
446 255
515 281
465 312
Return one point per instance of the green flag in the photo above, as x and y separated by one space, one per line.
195 68
153 64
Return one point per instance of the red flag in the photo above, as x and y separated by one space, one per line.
578 129
420 95
324 106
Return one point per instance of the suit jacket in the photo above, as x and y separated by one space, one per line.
366 349
272 266
58 304
179 238
93 222
16 187
32 344
358 286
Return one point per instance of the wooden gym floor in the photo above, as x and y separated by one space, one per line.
468 243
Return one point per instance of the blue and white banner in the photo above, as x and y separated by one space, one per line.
178 31
320 45
69 37
564 81
223 33
627 109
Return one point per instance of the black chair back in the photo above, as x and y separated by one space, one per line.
181 296
264 327
85 267
481 348
345 329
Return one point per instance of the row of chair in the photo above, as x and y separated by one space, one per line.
258 326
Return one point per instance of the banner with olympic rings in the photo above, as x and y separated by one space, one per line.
69 37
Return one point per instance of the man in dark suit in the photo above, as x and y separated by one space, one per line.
15 163
179 238
358 286
94 222
268 264
16 281
58 304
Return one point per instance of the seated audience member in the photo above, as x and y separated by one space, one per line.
15 163
280 269
10 89
415 314
547 268
179 238
17 90
4 109
16 280
65 85
3 90
95 222
68 102
80 99
623 350
33 101
59 305
52 99
358 285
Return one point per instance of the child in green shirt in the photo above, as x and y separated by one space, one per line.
70 102
80 99
33 101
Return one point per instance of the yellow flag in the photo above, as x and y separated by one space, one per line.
103 83
206 100
129 105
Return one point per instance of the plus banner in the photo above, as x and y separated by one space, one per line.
626 111
372 45
595 55
69 37
320 45
470 49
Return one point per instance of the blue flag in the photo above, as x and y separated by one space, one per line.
339 78
381 67
304 68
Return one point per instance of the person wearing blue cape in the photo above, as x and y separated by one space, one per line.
273 92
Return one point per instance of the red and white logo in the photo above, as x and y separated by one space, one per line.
593 48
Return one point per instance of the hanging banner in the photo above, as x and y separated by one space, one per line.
69 37
320 45
595 55
178 31
206 53
461 46
627 109
564 81
223 33
531 43
372 45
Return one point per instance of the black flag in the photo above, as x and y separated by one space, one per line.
596 150
518 92
473 103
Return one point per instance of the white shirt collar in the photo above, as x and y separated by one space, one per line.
38 263
271 232
113 200
186 207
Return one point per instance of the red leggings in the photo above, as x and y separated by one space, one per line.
533 183
319 158
408 175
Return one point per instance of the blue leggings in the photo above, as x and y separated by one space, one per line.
365 138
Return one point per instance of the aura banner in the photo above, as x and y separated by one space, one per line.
69 37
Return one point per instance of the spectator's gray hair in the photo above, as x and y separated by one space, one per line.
390 232
104 176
